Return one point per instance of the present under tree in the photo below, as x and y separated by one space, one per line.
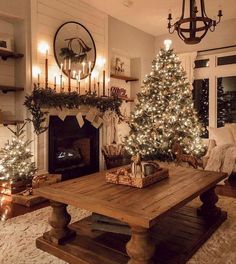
16 158
165 113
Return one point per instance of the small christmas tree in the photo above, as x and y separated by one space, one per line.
164 113
15 158
223 105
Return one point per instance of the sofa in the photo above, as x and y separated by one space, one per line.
221 136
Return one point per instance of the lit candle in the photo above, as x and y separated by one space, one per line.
90 64
74 74
65 65
69 66
83 65
55 83
79 75
61 67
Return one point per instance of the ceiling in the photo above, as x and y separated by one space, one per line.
151 15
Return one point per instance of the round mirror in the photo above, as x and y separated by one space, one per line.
74 50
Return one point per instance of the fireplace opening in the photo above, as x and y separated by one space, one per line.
73 151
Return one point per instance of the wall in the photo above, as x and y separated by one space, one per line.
224 35
136 49
13 22
48 16
133 43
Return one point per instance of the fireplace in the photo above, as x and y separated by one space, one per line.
73 151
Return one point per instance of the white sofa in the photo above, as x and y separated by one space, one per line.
220 136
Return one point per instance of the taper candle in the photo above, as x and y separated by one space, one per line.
46 70
61 83
38 80
104 83
83 67
69 80
90 64
55 83
69 64
90 83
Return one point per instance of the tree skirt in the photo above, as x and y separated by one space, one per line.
18 235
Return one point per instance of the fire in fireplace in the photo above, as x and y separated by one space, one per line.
73 151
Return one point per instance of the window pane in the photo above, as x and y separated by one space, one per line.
201 63
226 100
226 60
201 101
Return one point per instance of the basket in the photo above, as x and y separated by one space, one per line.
127 178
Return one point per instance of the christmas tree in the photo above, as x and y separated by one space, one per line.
15 158
223 105
164 113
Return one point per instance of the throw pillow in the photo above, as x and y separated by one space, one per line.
232 128
221 135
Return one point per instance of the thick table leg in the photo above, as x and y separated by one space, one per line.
209 200
140 248
59 221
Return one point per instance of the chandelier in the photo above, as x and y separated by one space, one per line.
193 29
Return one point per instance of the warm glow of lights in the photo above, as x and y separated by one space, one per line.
101 62
36 71
167 44
43 47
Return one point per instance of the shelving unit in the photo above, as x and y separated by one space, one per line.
4 54
6 89
124 78
12 122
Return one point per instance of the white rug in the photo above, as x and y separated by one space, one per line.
18 235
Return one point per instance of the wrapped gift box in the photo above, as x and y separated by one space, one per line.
45 179
28 200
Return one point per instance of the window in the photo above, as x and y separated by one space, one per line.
226 60
226 100
201 101
201 63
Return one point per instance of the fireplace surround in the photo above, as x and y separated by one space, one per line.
72 151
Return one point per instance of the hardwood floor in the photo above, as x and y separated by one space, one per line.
9 210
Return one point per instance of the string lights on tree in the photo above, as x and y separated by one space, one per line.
164 113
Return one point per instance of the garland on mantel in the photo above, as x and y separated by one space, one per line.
48 98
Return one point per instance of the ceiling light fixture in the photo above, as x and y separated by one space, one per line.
193 29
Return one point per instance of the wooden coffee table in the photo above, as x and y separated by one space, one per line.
164 229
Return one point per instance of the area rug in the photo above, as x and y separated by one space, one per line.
18 235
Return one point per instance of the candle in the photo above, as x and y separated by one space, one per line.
74 74
61 83
55 83
69 66
65 65
69 80
94 85
90 83
61 67
90 64
38 80
104 83
79 75
46 71
83 65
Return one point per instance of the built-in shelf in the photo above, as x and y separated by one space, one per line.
124 78
9 54
6 89
12 122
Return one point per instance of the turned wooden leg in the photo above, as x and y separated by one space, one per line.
140 248
59 221
209 200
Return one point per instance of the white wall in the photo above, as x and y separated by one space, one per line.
132 43
48 17
12 17
224 35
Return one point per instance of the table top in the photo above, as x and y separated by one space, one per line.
141 207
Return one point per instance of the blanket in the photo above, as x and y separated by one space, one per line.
222 158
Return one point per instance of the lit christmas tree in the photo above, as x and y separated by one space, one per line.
15 158
223 105
164 113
